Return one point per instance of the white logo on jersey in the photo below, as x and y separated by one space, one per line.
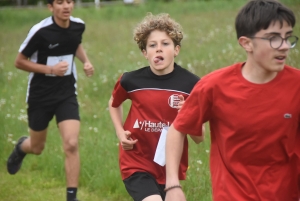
287 116
53 46
149 126
136 124
173 101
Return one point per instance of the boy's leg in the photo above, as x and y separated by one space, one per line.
69 130
68 121
142 186
153 198
34 144
38 119
26 145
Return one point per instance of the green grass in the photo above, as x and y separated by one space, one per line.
209 43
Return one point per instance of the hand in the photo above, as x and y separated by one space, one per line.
60 69
88 69
175 194
127 142
181 102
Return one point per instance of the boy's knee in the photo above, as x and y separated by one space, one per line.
71 145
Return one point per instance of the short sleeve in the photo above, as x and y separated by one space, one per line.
31 43
82 33
195 111
119 94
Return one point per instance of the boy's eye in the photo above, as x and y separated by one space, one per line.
152 45
166 43
61 1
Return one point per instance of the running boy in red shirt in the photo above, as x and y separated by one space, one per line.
253 110
155 93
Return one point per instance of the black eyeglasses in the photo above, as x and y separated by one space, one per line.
276 41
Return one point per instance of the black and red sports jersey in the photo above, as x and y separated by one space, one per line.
154 101
47 43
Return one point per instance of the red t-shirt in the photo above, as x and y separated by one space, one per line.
253 133
297 155
154 100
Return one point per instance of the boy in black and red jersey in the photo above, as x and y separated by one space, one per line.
48 54
155 92
253 111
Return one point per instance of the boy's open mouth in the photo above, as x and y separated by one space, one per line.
280 57
158 59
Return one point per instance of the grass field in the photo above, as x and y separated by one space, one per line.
209 43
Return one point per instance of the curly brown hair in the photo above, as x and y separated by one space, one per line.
161 22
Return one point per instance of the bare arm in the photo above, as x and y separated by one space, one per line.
82 56
198 139
174 148
23 63
116 115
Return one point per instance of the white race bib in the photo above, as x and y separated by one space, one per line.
160 153
52 61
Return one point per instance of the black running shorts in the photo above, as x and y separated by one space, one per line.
39 117
142 184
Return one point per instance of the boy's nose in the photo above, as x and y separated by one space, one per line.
285 45
158 48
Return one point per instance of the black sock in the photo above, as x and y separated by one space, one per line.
71 194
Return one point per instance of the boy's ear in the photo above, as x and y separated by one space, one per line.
145 53
50 7
246 43
177 50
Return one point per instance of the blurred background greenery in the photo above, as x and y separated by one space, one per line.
39 2
209 43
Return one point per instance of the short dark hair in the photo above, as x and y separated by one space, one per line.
259 14
50 1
